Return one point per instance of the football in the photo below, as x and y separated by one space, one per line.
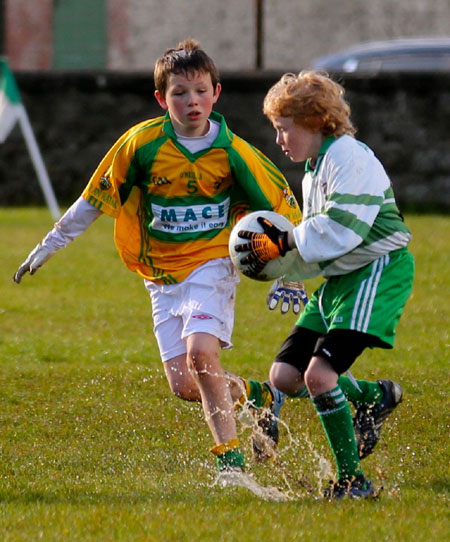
273 269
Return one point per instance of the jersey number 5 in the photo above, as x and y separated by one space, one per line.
192 186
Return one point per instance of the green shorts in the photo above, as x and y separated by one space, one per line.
369 300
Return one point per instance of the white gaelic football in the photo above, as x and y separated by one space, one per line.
273 269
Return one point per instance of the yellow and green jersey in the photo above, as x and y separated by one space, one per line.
174 210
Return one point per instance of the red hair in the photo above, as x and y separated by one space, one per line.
313 100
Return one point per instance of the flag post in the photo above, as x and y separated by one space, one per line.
12 111
38 163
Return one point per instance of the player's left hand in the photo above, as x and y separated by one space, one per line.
263 247
289 292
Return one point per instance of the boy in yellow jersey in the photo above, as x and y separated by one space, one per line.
175 186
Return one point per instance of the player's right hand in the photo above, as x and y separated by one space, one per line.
263 247
36 259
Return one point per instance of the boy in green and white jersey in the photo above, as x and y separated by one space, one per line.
353 234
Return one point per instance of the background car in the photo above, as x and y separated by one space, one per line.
397 55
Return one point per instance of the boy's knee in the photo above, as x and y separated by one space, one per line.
202 359
312 377
320 376
285 378
202 352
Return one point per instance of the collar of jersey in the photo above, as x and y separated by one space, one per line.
326 143
223 139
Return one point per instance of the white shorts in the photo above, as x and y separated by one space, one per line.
203 303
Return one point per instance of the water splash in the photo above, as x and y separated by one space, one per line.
237 478
294 477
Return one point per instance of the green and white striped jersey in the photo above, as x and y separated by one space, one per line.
350 217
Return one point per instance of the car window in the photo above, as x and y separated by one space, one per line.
417 62
405 62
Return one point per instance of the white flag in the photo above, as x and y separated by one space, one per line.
10 103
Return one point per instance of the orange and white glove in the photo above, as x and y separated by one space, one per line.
263 247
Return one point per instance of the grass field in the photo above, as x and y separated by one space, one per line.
94 447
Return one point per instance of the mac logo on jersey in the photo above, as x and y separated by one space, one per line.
190 218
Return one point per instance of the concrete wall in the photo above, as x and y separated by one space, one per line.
294 31
77 116
226 29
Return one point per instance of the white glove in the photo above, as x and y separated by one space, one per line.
73 223
36 259
290 292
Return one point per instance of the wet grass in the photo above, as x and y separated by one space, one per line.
94 448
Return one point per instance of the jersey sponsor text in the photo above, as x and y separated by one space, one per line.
199 218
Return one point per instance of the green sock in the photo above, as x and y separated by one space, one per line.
370 391
231 459
368 394
336 418
258 394
300 394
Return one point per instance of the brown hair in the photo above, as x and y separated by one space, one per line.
186 58
313 100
